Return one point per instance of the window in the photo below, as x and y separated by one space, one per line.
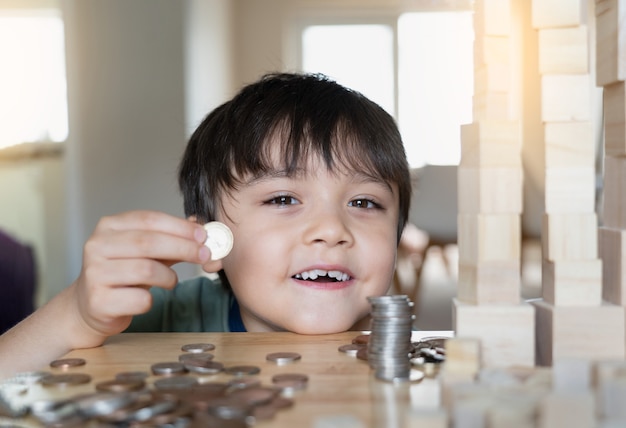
33 96
357 56
425 82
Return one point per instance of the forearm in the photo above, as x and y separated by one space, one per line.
48 333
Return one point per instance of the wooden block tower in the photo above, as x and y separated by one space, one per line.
572 320
610 75
488 304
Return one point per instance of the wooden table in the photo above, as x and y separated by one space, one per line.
340 388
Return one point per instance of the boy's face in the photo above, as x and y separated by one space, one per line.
339 227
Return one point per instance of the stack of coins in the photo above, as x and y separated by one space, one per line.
390 339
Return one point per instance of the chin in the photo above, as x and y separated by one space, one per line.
318 327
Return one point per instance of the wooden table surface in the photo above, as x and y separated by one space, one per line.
341 389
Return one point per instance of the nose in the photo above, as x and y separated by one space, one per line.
329 226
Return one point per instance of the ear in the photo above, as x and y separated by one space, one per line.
193 218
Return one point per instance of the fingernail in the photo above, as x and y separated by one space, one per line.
199 235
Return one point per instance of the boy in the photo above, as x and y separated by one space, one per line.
313 182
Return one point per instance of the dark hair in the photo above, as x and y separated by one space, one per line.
312 115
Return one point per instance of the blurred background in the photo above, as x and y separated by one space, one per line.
98 97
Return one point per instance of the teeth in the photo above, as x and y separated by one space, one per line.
316 273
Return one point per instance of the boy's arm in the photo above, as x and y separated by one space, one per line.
42 337
126 255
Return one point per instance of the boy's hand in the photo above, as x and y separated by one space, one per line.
126 255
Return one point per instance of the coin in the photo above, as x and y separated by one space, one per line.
254 396
203 367
198 348
121 385
290 382
244 382
283 357
219 239
136 375
351 348
361 354
361 339
205 356
175 382
66 363
242 370
68 379
168 368
298 377
101 403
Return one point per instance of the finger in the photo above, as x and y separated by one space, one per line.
128 273
150 244
122 302
153 221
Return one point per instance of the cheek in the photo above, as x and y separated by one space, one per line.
253 250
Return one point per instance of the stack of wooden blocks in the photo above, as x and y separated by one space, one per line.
572 320
560 361
488 304
575 317
610 75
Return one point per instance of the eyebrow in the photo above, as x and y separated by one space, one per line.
356 177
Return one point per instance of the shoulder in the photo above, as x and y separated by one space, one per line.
198 304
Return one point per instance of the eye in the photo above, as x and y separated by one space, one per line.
282 200
364 203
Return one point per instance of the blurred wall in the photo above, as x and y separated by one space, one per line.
141 75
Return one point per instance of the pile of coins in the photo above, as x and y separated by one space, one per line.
389 343
179 395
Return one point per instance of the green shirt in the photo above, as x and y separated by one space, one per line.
196 305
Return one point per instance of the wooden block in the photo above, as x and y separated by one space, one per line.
491 49
569 236
557 13
492 106
471 412
614 192
490 282
492 78
426 418
506 332
492 17
613 396
572 282
463 358
564 50
569 144
612 251
489 237
565 97
594 332
489 190
614 104
609 381
571 410
610 41
514 409
570 190
491 144
571 375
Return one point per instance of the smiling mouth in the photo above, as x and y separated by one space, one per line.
320 275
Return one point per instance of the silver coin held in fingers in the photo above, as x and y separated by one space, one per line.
219 239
